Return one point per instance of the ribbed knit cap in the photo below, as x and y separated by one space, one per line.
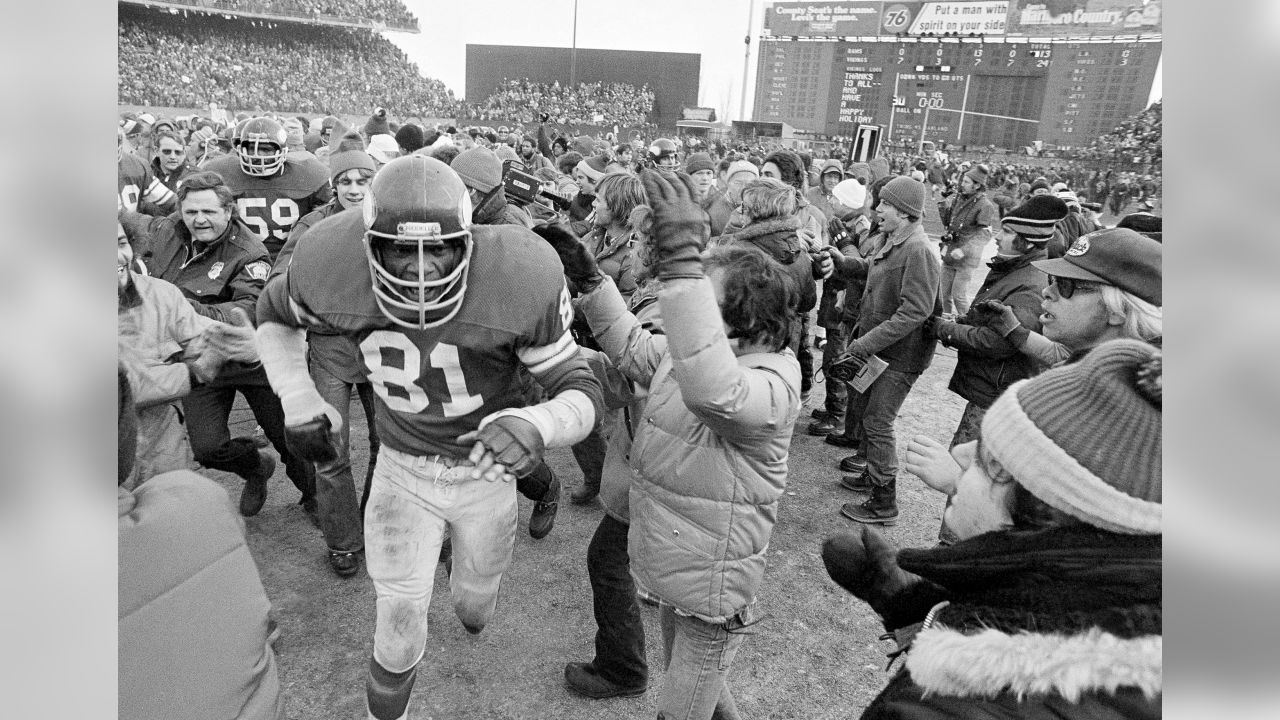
377 124
905 194
738 166
410 137
479 168
1085 438
341 162
1036 218
699 161
978 174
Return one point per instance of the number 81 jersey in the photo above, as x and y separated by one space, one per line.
272 205
435 384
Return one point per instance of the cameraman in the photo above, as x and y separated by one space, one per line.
969 219
481 171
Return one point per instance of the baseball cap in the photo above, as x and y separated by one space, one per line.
1119 257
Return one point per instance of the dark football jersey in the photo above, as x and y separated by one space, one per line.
436 384
136 182
271 206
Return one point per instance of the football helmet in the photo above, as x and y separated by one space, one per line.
260 143
664 155
416 202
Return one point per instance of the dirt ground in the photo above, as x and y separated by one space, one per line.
816 656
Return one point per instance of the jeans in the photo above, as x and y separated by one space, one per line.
590 457
804 355
620 655
877 408
955 288
339 511
837 392
207 409
414 500
698 656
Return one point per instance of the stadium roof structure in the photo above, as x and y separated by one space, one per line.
260 9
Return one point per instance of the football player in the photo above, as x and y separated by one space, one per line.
272 191
427 297
137 185
664 156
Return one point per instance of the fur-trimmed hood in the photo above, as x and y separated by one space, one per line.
991 662
776 236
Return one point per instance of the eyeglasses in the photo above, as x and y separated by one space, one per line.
1067 286
172 152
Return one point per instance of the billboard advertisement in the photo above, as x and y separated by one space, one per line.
819 19
1082 18
1035 18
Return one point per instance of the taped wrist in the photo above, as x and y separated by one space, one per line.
283 351
563 420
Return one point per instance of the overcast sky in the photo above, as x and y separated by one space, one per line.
712 28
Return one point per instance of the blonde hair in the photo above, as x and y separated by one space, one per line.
1142 320
767 198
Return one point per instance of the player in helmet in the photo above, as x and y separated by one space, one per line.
664 155
272 191
441 338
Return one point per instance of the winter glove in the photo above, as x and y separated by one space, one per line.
310 425
859 352
823 265
680 225
995 315
514 443
865 564
579 265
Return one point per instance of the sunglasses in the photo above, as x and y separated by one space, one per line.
172 152
1068 287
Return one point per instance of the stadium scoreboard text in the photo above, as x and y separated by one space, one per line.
990 89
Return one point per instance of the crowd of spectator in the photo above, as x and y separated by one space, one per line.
167 62
590 103
1137 140
388 13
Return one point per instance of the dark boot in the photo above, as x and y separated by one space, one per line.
857 483
855 463
881 508
543 517
254 493
582 679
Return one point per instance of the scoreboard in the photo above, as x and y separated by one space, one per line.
987 88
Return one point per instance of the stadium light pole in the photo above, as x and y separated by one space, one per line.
573 52
746 62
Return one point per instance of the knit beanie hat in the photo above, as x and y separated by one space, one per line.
1058 187
479 168
698 162
505 153
341 162
594 167
1035 219
905 194
1116 256
861 170
410 137
851 193
377 123
790 167
383 148
1069 198
738 166
1039 184
1085 438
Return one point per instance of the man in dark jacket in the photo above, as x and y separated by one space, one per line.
987 363
901 294
219 264
170 164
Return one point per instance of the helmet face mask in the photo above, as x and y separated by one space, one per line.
260 144
418 241
664 155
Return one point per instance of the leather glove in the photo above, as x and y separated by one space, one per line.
866 564
859 352
235 340
823 266
680 225
996 315
311 425
579 265
514 443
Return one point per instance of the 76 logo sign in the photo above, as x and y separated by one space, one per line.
896 18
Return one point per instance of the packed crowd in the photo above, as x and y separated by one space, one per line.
701 294
1137 140
590 103
389 13
166 62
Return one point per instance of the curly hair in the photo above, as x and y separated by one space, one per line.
622 193
760 297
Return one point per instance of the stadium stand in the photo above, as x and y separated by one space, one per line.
591 103
379 14
1137 140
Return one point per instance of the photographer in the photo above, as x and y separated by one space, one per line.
969 220
481 171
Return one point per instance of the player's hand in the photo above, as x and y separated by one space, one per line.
680 225
507 444
235 340
930 461
311 425
579 265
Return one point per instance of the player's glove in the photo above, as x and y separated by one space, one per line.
311 425
579 265
514 442
680 225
